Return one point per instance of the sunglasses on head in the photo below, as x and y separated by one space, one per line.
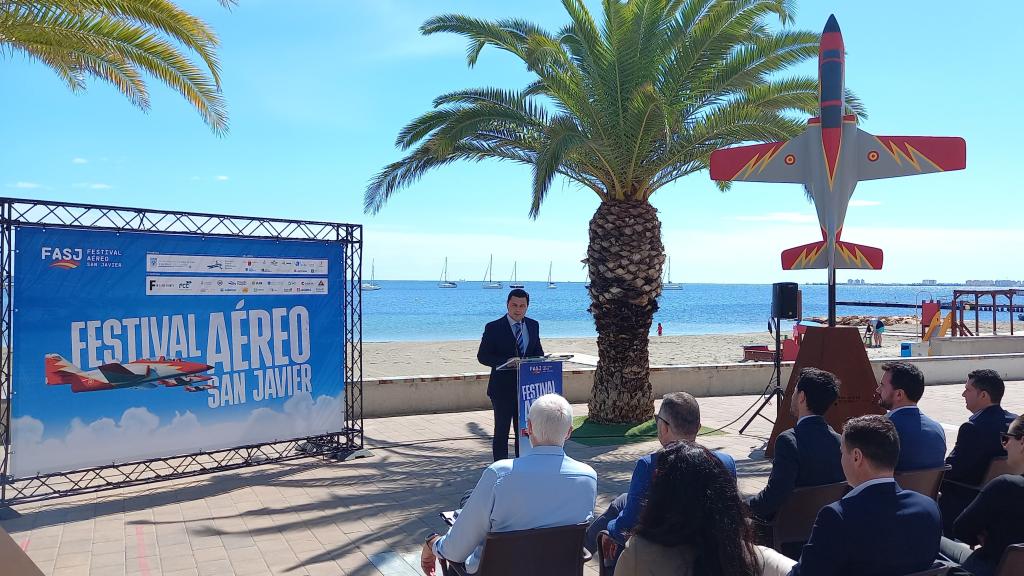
1005 436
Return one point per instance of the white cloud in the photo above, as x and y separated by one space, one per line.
79 161
92 185
790 217
222 178
139 434
25 185
858 203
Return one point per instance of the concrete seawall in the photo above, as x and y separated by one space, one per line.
461 392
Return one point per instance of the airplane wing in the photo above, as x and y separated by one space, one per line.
116 369
892 156
183 380
771 162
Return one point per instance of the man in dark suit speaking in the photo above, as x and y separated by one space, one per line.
511 336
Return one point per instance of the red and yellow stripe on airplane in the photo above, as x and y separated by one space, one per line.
805 256
941 154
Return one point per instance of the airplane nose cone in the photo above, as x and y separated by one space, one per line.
832 25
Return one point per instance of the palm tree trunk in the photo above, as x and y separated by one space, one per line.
625 258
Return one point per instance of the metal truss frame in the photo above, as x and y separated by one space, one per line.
40 213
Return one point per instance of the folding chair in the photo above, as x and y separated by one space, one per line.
1012 562
554 551
925 482
795 518
14 560
939 568
605 566
997 467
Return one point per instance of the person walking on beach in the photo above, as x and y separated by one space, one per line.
511 336
879 330
659 328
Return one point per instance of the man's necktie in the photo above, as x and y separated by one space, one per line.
519 337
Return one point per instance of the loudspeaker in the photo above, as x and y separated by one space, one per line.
786 300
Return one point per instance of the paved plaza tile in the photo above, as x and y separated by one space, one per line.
362 517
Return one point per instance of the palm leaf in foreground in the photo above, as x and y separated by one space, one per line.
118 41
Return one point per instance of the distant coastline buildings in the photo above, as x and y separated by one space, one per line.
933 282
996 283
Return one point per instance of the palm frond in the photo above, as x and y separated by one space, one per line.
561 137
623 104
115 41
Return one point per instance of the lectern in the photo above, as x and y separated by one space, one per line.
537 376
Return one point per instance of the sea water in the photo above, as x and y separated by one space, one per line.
419 310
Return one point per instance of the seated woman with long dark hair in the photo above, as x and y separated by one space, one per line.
694 523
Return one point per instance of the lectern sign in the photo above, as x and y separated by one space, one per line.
535 380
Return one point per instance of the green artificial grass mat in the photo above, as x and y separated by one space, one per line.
592 434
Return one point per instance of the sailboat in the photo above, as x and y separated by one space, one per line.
371 285
488 280
550 283
668 284
513 283
444 283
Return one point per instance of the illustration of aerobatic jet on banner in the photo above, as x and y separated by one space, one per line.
142 373
829 158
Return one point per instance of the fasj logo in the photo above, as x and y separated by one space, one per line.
65 258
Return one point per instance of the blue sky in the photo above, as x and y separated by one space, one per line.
317 92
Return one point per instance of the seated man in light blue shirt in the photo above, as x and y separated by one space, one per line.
543 489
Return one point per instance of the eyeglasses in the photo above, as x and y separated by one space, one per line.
1005 437
658 417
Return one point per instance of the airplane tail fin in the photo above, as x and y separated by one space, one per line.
807 257
858 256
59 371
848 256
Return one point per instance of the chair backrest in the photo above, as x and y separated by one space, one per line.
996 468
1012 563
554 551
14 560
925 482
605 566
939 568
795 517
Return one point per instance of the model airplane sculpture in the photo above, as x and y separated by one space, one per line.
829 158
138 374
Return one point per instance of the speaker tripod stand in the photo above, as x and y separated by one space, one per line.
774 387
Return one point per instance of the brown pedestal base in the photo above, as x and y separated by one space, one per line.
839 350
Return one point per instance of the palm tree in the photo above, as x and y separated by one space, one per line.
117 41
622 109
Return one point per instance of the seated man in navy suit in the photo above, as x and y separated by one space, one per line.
807 454
877 529
977 443
922 440
993 520
677 419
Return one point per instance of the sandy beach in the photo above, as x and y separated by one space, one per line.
388 359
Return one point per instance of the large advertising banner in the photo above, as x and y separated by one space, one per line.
535 380
134 345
